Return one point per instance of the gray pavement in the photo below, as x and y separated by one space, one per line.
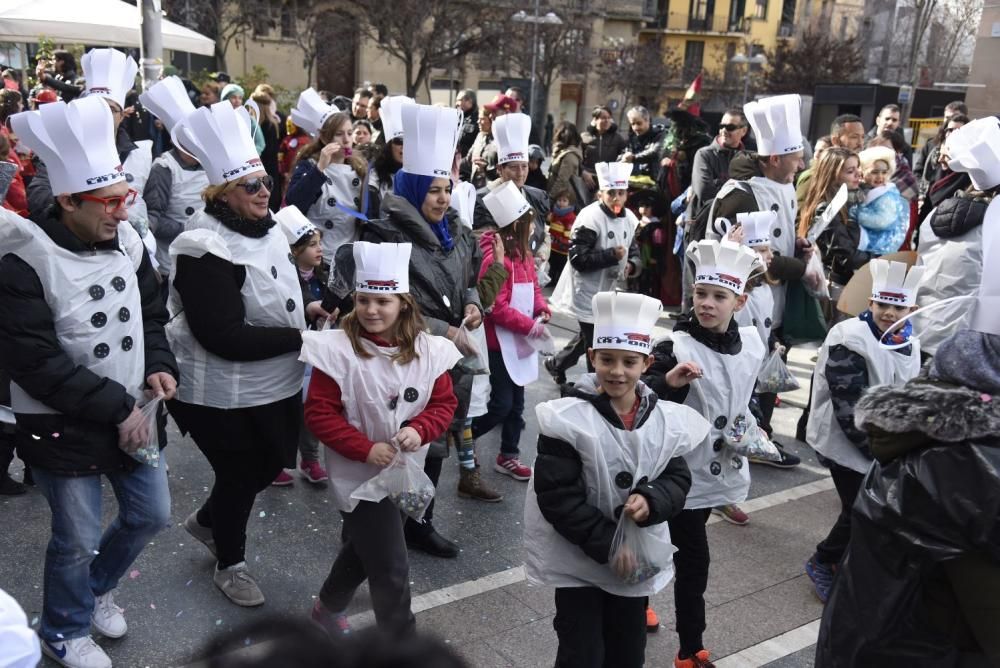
479 603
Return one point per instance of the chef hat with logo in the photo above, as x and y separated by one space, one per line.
168 100
506 204
109 73
219 137
431 135
382 269
392 121
624 321
724 263
893 284
757 227
76 141
613 175
310 112
20 644
511 132
975 148
294 224
776 124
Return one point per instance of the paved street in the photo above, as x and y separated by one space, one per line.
479 603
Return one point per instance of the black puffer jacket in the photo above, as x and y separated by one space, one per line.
959 214
83 438
601 147
646 149
562 493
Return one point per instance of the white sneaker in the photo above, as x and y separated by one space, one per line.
107 617
76 653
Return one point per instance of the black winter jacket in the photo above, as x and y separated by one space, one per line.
82 439
601 147
646 149
584 256
709 171
562 493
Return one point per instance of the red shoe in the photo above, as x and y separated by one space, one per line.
652 621
313 472
513 467
334 623
700 659
732 514
283 479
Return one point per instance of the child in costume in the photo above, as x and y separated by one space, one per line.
884 215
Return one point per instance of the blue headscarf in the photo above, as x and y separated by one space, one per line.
413 188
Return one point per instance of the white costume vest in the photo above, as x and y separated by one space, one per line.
758 313
342 186
614 461
185 200
137 165
885 367
575 290
95 303
378 394
271 297
718 475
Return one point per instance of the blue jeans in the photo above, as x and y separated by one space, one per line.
505 408
80 562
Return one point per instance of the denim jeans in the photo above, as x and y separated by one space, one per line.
506 407
80 562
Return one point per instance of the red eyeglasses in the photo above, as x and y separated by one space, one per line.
112 204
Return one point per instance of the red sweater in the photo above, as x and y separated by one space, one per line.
326 419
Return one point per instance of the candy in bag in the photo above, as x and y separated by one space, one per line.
774 376
149 452
635 557
404 482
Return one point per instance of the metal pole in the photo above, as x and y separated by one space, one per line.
151 47
534 59
746 86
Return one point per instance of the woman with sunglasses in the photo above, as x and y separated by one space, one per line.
236 331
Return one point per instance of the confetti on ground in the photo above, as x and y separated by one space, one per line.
263 514
152 606
218 622
179 614
133 575
189 583
34 621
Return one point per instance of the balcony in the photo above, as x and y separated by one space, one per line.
700 24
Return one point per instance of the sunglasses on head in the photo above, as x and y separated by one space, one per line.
730 127
253 186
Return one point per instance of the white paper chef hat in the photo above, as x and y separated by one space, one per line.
168 100
975 148
382 269
506 204
431 135
757 227
625 321
76 141
776 125
219 137
293 224
892 284
310 112
511 132
109 73
389 112
20 644
613 175
986 313
724 263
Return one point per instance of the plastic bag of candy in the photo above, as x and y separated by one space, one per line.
404 482
634 556
149 452
774 376
755 444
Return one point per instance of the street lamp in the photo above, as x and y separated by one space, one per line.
742 59
549 19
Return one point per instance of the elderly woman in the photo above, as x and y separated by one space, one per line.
236 331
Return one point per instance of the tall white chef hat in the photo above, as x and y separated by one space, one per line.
382 269
76 141
20 644
776 124
293 224
975 148
431 135
506 204
613 175
724 263
511 132
389 112
757 227
625 321
168 100
219 137
310 112
109 73
892 284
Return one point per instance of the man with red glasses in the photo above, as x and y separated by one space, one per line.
82 338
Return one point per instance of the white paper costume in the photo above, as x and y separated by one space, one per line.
272 297
378 394
891 284
759 309
614 460
719 476
94 298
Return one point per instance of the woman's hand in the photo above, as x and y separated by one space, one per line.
381 454
333 152
473 317
682 374
498 249
408 439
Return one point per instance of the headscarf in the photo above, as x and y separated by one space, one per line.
413 188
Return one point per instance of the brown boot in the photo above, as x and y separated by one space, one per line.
471 486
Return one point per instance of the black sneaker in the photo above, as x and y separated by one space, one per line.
788 460
558 375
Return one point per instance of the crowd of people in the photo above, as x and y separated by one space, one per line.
353 290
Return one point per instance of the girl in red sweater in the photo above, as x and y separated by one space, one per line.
380 384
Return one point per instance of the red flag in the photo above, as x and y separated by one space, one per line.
693 89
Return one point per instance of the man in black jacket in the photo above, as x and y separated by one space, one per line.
644 143
711 163
81 339
466 103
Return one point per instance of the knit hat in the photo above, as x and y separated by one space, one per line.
231 89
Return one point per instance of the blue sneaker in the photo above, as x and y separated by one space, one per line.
821 576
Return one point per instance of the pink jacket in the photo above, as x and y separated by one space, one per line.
502 314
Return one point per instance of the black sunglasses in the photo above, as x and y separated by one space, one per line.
253 186
730 127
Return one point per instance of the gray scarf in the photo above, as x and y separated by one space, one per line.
970 359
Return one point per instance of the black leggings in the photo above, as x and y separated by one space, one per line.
599 630
691 561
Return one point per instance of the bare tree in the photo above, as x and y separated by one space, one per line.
312 26
639 73
954 29
816 58
222 20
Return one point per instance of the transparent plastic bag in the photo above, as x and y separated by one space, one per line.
755 445
543 344
814 279
404 482
635 557
774 376
149 452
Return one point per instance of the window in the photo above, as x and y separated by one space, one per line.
287 22
699 10
760 10
694 56
700 16
737 10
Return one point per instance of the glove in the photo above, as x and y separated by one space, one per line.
133 431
